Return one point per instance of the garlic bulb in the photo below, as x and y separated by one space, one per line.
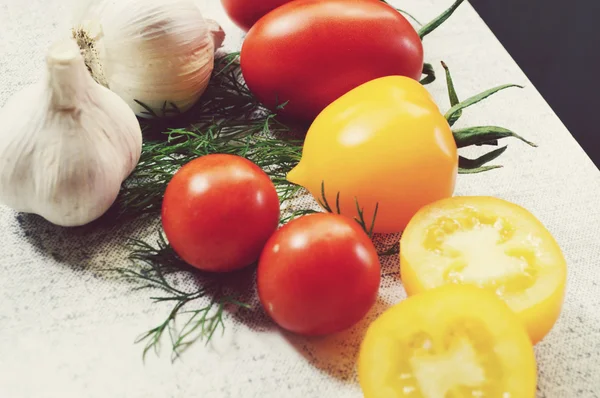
66 143
151 51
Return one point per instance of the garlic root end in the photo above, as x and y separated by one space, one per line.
87 45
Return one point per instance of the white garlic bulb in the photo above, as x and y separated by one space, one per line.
149 51
66 143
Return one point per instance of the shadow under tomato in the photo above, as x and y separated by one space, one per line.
237 289
241 286
337 354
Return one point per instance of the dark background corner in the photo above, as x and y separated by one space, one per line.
557 44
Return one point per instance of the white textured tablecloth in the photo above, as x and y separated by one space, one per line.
65 331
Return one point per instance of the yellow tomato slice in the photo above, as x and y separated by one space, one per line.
456 341
493 244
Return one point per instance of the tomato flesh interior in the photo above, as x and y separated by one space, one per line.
460 363
471 242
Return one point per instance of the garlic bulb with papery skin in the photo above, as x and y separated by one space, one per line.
66 143
151 51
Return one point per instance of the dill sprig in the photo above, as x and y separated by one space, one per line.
360 219
143 191
159 268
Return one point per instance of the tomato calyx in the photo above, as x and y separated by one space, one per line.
435 23
428 70
478 135
440 19
401 11
429 73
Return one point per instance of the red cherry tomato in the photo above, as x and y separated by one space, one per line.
308 53
219 211
318 274
245 13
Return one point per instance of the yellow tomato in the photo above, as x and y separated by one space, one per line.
491 243
452 342
384 143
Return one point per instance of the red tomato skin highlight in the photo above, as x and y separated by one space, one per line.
245 13
311 52
318 274
218 212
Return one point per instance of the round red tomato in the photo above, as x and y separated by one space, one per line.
308 53
245 13
318 274
219 211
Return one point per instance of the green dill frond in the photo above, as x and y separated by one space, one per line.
159 269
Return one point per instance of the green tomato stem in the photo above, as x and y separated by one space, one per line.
440 19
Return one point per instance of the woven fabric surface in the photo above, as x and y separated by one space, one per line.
67 330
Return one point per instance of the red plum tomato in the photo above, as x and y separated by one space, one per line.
305 54
219 211
245 13
318 274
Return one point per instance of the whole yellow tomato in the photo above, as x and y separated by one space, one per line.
490 243
453 341
385 144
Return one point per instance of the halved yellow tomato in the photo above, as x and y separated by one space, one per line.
456 341
491 243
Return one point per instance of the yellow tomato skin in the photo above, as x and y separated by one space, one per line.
538 304
384 143
456 340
